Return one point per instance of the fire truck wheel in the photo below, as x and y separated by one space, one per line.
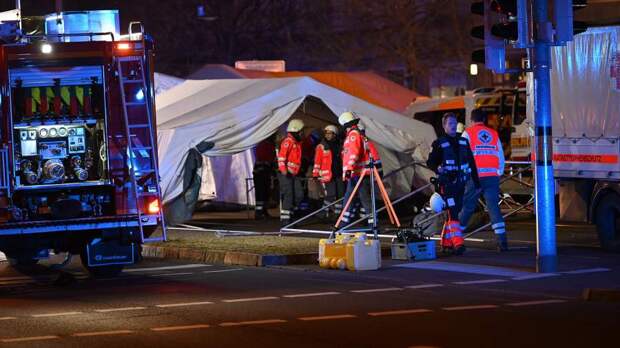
608 222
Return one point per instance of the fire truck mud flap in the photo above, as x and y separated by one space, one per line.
102 253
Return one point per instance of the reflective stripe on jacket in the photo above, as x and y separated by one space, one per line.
485 146
354 154
322 164
455 160
289 156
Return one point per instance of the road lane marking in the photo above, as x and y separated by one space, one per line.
312 294
399 312
254 322
47 315
171 274
266 298
423 286
588 270
177 328
26 339
7 318
464 308
481 281
536 276
328 317
102 333
121 309
464 268
224 270
533 303
366 291
164 268
170 305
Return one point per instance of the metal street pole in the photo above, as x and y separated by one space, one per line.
545 187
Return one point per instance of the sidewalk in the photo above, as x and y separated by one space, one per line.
287 249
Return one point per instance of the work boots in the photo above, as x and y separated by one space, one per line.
502 242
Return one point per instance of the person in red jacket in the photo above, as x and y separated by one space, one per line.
265 153
289 168
372 149
328 168
355 159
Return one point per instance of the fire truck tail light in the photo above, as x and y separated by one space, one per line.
154 207
123 46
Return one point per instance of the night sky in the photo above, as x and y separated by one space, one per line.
409 41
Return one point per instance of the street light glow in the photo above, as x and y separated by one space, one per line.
473 69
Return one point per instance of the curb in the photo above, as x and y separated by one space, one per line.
227 257
601 295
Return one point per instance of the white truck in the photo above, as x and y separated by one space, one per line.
585 97
585 92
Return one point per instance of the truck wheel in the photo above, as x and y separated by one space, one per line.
608 222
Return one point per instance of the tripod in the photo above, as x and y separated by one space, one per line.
373 173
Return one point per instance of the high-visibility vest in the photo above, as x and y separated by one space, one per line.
289 156
322 163
484 145
455 162
354 155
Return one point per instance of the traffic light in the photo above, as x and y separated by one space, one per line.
494 53
565 26
505 22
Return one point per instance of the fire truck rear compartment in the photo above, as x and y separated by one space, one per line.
60 156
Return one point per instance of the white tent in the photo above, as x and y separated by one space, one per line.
237 114
165 82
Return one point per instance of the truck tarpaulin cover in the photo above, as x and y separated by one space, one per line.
589 68
238 114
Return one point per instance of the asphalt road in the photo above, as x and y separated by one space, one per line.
479 300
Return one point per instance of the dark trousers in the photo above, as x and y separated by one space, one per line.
363 193
334 190
291 194
262 189
452 193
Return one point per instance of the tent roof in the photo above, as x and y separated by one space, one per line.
164 82
237 114
365 85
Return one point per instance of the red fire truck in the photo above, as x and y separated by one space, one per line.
78 157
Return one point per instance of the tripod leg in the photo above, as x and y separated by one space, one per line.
373 207
386 198
353 193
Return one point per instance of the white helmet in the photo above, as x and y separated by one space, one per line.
347 117
331 128
295 125
437 203
460 127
